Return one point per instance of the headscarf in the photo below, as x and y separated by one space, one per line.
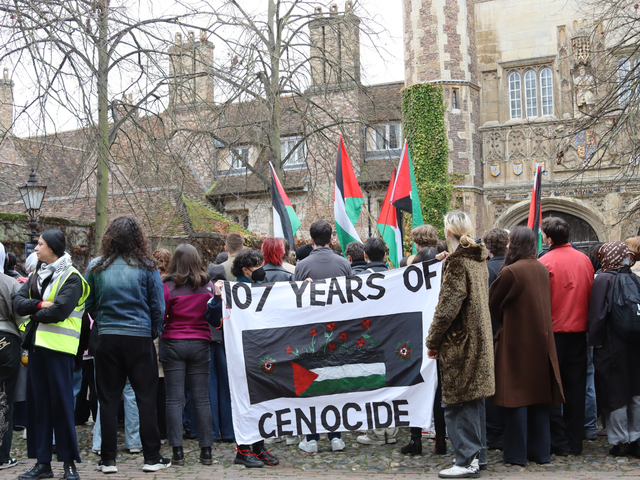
612 256
31 263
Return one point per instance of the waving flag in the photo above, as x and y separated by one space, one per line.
389 225
347 199
535 208
285 221
405 192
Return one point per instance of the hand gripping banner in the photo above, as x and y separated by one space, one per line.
340 354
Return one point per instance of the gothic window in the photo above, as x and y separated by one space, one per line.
454 99
238 157
386 137
515 95
531 93
298 156
245 221
546 91
624 82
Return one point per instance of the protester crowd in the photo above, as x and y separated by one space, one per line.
522 339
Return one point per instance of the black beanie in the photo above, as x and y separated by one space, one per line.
303 252
55 240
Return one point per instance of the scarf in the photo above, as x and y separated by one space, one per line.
612 256
53 270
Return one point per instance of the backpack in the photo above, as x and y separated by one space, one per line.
625 309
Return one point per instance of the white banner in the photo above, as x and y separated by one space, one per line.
340 354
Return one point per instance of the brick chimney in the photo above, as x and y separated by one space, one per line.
6 102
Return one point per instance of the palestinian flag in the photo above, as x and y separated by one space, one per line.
405 192
310 360
347 199
389 225
535 209
285 221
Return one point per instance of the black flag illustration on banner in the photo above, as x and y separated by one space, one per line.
334 357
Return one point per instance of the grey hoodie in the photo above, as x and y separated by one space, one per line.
9 320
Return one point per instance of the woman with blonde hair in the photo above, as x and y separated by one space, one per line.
460 337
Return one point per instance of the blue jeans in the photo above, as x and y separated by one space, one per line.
219 393
131 422
590 405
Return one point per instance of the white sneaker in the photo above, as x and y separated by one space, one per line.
273 440
310 446
368 440
292 439
428 434
337 444
154 467
460 472
108 466
135 450
12 462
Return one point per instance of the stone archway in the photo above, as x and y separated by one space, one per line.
589 223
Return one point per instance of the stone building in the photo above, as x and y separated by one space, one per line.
517 77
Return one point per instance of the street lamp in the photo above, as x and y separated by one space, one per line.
32 194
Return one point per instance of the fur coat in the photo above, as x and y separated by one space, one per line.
461 328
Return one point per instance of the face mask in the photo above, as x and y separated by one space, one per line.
258 275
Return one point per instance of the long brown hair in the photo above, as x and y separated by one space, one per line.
186 267
522 244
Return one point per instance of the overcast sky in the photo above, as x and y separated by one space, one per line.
384 64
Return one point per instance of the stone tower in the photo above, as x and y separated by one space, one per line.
440 48
335 46
190 70
6 103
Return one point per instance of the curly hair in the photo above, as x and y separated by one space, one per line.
124 238
246 259
273 250
162 257
496 241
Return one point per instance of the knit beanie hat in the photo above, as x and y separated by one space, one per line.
55 240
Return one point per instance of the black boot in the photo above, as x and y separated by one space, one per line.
205 456
39 470
178 456
414 447
619 450
265 455
441 446
246 457
70 472
634 449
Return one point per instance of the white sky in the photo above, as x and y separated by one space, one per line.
377 66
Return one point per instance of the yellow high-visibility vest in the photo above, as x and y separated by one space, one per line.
63 336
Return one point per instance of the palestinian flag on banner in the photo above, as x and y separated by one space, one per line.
347 199
389 225
285 221
337 357
535 208
405 192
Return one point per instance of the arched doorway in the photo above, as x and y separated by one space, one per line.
582 234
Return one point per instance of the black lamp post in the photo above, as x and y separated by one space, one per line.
32 194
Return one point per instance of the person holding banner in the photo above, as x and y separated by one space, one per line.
460 337
520 302
247 268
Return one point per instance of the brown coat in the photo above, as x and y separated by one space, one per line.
461 328
527 371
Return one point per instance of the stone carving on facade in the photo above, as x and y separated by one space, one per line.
585 90
494 147
516 144
518 168
495 169
585 143
498 209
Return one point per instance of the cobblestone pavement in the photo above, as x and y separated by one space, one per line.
355 462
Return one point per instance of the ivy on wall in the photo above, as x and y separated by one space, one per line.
423 111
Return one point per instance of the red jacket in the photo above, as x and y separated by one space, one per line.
571 277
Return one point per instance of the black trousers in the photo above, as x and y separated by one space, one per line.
526 434
50 406
567 421
118 357
87 405
10 352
